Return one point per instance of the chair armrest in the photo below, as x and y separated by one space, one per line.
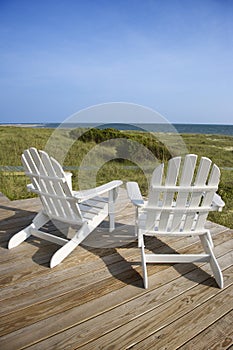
217 203
90 193
134 194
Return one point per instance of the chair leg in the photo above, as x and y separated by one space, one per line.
39 220
144 269
207 245
111 210
66 249
111 222
140 238
62 253
136 222
210 239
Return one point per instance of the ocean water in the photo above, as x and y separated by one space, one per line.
217 129
180 128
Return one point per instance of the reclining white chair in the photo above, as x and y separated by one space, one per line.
178 205
82 210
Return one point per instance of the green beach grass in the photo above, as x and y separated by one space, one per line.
14 140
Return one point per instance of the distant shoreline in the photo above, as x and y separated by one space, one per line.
211 129
22 125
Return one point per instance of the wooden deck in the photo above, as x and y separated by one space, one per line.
95 298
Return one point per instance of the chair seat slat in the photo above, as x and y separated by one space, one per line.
95 203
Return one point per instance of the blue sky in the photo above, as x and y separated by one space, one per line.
60 56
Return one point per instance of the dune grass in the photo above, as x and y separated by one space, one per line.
13 140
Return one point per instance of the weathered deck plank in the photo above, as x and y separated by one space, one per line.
95 298
132 320
218 336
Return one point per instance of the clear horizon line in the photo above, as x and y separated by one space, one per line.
52 122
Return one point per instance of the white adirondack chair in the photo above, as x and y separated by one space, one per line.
178 205
82 210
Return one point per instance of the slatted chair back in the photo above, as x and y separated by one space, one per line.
180 200
49 182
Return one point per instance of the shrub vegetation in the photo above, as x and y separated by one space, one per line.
13 140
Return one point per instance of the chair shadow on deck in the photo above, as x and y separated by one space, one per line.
21 217
107 246
124 237
103 244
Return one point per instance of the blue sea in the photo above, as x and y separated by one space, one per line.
217 129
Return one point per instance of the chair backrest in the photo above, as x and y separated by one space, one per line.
180 200
49 182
